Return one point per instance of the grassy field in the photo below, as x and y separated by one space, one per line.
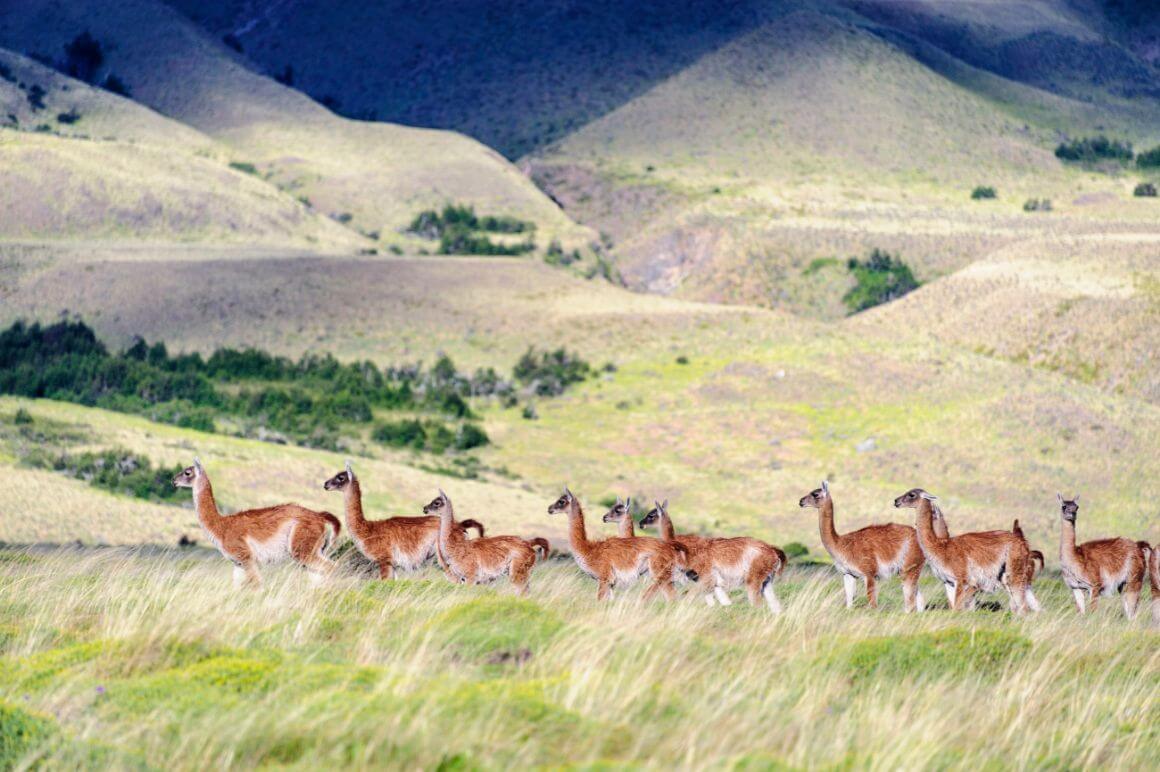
126 659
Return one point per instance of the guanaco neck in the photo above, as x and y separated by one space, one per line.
826 525
207 511
667 532
577 535
627 528
352 506
924 525
1067 541
450 537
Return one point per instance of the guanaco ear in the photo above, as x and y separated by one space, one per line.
628 504
826 487
1076 499
619 502
1059 496
665 505
197 465
928 496
349 471
568 493
443 495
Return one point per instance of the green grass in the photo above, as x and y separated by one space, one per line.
169 667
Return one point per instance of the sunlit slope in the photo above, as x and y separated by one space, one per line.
1088 307
766 407
78 162
379 174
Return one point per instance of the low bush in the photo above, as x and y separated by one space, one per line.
1092 149
1149 159
983 192
116 470
244 167
71 117
549 373
1145 190
1037 205
880 279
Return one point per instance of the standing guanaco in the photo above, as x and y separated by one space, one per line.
871 553
266 535
477 561
619 560
972 561
395 543
1034 565
1100 567
723 564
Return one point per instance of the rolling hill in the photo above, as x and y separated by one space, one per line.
374 176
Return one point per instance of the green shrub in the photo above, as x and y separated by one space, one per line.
35 97
458 229
983 191
550 373
1145 190
818 263
431 436
1037 205
117 470
71 117
83 57
1092 149
1149 159
244 167
880 279
22 416
795 549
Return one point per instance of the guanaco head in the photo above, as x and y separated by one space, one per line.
653 516
189 475
1068 510
438 505
619 511
816 497
912 497
340 480
562 504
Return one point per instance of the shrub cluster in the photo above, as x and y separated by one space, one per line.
1149 159
1145 190
117 470
1037 205
306 401
982 192
461 232
428 435
1092 149
549 373
880 279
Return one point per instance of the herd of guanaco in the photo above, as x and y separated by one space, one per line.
966 564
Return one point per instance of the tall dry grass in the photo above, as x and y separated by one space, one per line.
134 659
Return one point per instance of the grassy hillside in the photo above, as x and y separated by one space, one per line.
81 162
766 406
374 176
131 660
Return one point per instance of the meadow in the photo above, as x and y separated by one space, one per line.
134 659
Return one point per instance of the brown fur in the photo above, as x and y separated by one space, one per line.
482 560
870 553
938 521
1099 567
395 543
269 534
619 559
1154 577
1035 555
621 513
972 562
722 564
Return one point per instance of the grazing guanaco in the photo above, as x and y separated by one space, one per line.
972 562
485 559
1034 565
871 553
619 560
395 543
266 535
723 564
621 512
1100 567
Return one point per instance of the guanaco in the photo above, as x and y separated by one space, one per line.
871 553
1154 576
619 560
1035 564
972 562
1100 567
395 543
266 535
621 513
482 560
723 564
